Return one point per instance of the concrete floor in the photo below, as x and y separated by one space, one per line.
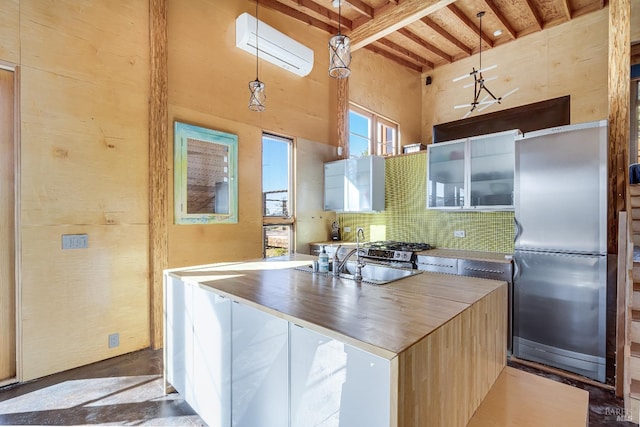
128 390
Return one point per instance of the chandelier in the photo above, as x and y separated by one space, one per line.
479 84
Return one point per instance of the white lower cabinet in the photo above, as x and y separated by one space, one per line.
211 357
240 366
260 368
335 384
178 346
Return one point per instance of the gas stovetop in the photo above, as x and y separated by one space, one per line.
394 251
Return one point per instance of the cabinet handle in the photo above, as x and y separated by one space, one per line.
437 265
484 270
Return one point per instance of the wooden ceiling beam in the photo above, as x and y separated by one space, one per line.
417 39
404 62
588 9
442 32
534 12
404 51
566 8
300 16
326 12
392 19
361 7
503 21
469 23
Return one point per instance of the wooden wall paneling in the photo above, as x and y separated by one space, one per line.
619 92
312 222
79 310
7 228
397 95
158 156
84 169
9 31
565 65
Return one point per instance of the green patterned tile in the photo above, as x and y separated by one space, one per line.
406 217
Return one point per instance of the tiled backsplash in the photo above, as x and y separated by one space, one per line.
406 217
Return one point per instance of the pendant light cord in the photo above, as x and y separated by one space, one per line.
257 40
340 17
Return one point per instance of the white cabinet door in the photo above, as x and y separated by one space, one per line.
334 384
212 357
179 336
334 186
355 185
260 368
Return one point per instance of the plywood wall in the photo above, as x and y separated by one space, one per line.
570 59
208 79
84 167
388 89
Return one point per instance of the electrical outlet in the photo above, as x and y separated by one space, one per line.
458 233
347 229
114 340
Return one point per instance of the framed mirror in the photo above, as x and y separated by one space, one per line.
205 175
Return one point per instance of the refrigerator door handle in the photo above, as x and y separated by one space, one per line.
518 230
516 269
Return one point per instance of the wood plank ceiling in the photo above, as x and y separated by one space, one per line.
424 34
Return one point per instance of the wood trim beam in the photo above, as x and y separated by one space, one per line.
566 9
588 9
300 16
404 62
158 167
635 54
403 51
326 12
420 41
362 8
503 21
441 31
536 15
392 19
469 23
619 98
343 116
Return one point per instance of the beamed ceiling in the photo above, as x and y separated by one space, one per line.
424 34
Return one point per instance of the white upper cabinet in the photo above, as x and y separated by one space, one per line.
354 185
472 173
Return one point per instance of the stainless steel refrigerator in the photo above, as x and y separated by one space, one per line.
560 270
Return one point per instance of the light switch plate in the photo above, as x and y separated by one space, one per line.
75 241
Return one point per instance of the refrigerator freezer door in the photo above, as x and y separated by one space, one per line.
561 190
559 311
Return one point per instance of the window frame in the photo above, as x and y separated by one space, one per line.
375 121
275 220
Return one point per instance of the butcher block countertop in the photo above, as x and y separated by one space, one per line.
382 319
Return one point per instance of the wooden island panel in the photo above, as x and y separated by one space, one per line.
444 377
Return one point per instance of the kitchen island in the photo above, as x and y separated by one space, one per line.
261 343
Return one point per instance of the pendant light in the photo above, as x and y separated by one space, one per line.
258 96
339 51
479 84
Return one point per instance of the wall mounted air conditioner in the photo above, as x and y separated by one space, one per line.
273 46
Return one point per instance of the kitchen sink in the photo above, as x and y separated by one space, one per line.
374 274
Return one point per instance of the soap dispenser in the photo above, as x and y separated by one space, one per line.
323 261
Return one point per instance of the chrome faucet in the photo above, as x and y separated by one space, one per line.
338 265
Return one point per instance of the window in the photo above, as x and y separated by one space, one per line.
371 133
277 195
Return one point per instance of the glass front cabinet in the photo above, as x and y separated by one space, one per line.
472 173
